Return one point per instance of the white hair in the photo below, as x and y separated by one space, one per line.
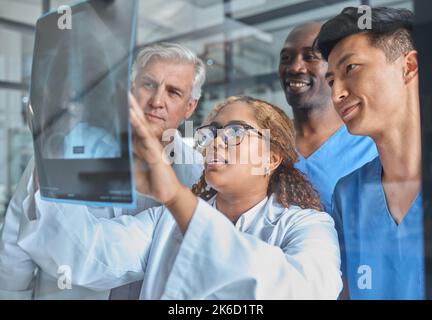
171 52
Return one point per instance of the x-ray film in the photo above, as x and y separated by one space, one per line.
79 103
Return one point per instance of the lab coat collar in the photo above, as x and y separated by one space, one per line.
248 218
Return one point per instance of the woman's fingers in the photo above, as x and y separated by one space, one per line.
135 121
138 124
133 104
138 121
146 145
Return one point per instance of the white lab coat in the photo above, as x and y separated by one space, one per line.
270 253
20 277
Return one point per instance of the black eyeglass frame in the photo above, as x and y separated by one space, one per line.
214 127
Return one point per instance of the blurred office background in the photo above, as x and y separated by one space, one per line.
239 40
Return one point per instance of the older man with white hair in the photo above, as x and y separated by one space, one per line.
166 82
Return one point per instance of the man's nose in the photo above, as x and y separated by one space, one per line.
339 92
218 142
297 65
157 99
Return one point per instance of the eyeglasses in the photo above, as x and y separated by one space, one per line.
232 133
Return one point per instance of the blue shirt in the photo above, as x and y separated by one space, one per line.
380 259
340 155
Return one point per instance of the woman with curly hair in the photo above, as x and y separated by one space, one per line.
241 233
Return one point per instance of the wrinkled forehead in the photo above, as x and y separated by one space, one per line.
166 62
173 67
178 74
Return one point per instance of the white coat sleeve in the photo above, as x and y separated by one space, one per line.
17 269
217 261
100 253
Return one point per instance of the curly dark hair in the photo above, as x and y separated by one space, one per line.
288 184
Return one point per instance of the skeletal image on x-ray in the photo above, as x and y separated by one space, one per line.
78 102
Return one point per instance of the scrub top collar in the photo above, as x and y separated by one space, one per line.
339 131
415 205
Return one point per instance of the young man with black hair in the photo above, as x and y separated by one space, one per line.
373 74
